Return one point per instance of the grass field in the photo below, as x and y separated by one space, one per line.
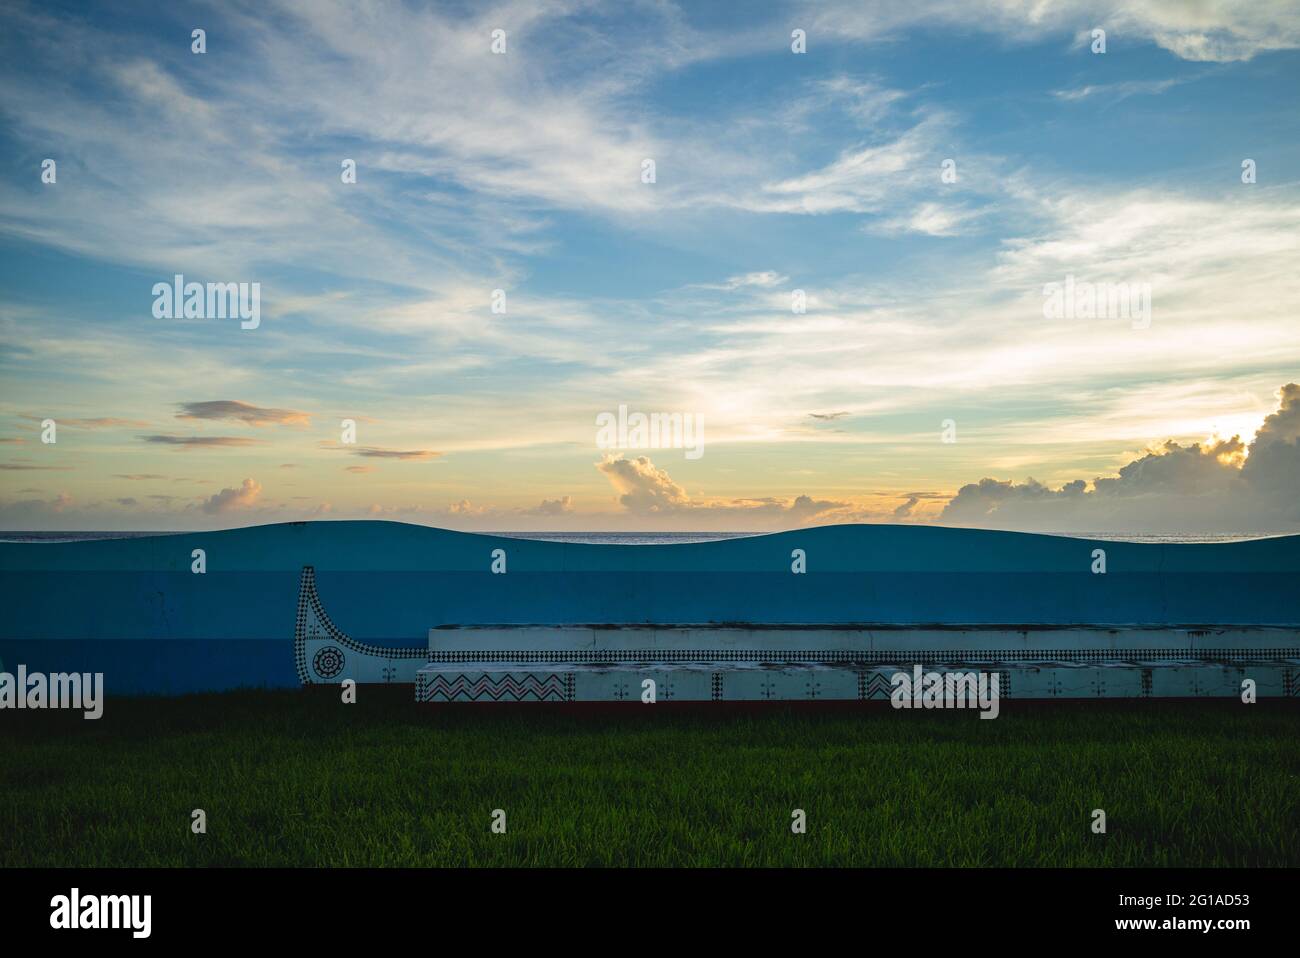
296 778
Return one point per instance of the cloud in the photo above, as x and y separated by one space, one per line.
648 491
1118 91
552 507
375 452
103 422
233 409
466 514
864 178
902 511
929 219
866 101
138 476
765 279
201 442
1222 485
1272 469
642 487
465 166
1283 425
20 513
1214 30
243 496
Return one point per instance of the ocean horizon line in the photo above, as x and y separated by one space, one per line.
622 537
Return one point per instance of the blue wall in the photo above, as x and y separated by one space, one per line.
132 609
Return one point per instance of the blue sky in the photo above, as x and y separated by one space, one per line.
775 172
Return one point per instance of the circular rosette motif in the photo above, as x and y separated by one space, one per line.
328 662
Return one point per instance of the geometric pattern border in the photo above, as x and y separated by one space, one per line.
723 684
505 688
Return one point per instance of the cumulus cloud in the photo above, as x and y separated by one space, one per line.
237 505
1282 425
466 514
1221 485
1272 469
19 513
648 491
243 496
552 507
902 511
642 487
233 409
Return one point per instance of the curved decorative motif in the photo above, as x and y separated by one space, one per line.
318 640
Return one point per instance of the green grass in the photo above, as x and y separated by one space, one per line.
293 778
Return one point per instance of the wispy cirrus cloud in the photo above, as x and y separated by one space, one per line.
930 219
522 172
1214 30
101 422
1114 92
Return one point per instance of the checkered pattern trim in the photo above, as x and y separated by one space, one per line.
882 657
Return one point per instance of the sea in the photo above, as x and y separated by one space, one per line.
647 538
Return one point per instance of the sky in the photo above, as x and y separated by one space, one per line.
967 262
